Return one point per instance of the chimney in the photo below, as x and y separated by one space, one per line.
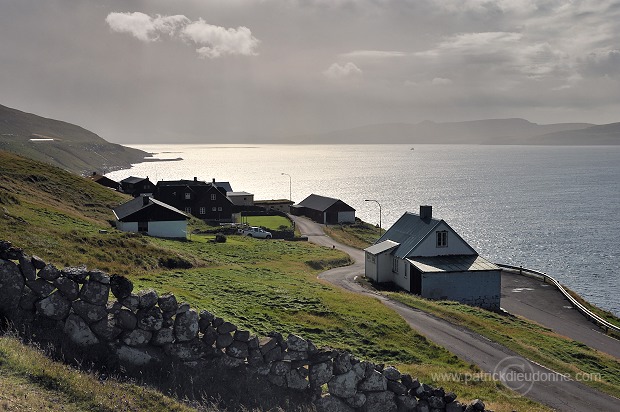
214 180
145 200
195 179
426 212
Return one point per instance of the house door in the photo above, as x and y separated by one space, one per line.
415 281
143 227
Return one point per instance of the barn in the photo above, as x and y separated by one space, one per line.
425 256
323 209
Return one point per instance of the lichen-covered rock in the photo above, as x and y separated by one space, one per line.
121 286
296 379
423 406
255 358
475 405
76 274
186 326
106 328
280 368
168 303
342 363
380 402
125 319
241 335
150 319
163 337
396 387
454 406
320 373
100 276
449 397
49 272
376 382
41 287
238 349
343 385
274 354
136 337
391 373
210 336
148 299
27 268
183 307
435 402
55 306
11 285
330 403
131 302
89 312
95 293
78 331
67 287
296 343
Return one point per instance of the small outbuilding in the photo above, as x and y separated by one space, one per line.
137 186
323 209
104 181
152 217
425 256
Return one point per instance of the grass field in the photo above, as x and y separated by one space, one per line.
359 234
270 222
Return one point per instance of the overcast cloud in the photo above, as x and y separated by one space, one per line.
231 70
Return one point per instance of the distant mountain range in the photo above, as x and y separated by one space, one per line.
62 144
493 131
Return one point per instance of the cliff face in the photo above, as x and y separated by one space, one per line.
62 144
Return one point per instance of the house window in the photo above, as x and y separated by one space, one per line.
219 208
213 209
213 196
442 238
395 265
188 210
188 195
370 257
203 210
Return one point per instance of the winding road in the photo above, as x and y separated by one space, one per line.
547 387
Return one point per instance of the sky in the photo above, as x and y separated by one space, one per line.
212 71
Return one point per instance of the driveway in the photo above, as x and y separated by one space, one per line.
552 390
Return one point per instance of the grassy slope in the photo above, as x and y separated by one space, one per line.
359 235
261 285
30 381
270 222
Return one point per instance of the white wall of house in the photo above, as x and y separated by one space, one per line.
175 228
370 266
127 226
474 288
401 277
428 247
346 217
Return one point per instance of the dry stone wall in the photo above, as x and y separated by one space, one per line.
167 343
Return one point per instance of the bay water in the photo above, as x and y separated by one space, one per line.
554 209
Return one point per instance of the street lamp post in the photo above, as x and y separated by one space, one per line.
372 200
290 185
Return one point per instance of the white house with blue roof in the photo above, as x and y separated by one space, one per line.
425 256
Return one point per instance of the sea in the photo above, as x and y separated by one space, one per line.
555 209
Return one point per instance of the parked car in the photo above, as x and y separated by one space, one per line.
256 232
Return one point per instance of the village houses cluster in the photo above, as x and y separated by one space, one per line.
418 253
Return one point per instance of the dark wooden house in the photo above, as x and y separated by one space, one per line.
203 200
104 181
323 209
137 186
147 215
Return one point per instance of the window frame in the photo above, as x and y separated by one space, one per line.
441 238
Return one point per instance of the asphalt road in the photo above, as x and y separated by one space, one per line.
523 376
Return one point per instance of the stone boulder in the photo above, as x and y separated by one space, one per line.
330 403
106 328
49 272
89 312
41 287
320 373
376 382
380 402
186 326
55 306
136 337
27 268
168 303
150 319
68 288
148 299
77 274
125 319
344 385
11 285
95 292
78 331
121 286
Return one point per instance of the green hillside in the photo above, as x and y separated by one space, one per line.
72 148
